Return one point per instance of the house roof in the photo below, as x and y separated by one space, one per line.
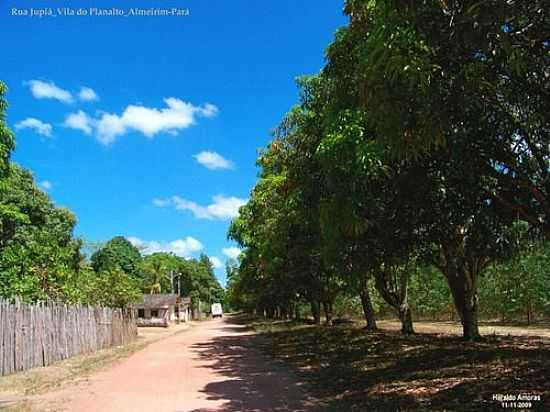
158 300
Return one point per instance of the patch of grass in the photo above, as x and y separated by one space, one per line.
265 326
39 380
23 406
349 369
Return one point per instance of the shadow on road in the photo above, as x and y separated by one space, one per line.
253 383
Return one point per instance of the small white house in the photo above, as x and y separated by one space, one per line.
162 310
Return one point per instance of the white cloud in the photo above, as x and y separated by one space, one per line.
46 185
161 202
232 252
221 208
80 121
87 95
213 160
216 262
108 128
48 90
225 207
180 247
45 129
176 116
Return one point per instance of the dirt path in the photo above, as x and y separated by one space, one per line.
212 367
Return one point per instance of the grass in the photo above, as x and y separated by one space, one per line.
349 369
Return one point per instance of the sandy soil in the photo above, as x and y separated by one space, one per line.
211 367
485 328
18 390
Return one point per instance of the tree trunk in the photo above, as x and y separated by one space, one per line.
397 297
368 310
316 311
284 312
406 319
328 312
470 326
464 290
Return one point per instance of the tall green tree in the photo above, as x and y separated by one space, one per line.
7 140
455 73
113 288
117 252
158 271
37 247
280 225
422 84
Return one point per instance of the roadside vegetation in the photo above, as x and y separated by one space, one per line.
412 176
410 181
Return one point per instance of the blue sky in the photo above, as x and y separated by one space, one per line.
148 127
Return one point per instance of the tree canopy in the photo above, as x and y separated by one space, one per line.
418 148
117 253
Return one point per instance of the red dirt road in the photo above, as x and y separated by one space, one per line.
209 368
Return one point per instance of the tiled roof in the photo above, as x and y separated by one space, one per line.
158 300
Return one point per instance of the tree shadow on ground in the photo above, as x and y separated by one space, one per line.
250 381
349 369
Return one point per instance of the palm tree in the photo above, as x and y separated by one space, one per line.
155 272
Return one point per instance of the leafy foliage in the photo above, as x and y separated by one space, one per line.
117 253
37 248
7 141
114 288
413 154
519 288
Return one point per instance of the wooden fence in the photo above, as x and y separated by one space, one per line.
33 335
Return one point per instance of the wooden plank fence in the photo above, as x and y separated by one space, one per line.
33 335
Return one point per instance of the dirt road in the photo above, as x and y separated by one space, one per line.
211 367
